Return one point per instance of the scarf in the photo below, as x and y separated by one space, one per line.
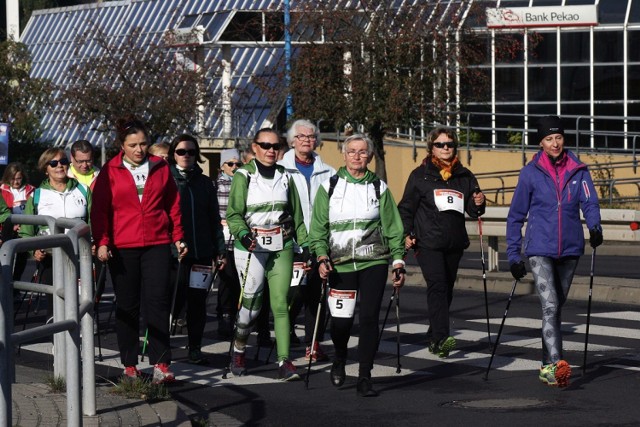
445 168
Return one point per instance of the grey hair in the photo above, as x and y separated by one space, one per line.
356 137
303 123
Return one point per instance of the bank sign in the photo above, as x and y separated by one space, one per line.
518 17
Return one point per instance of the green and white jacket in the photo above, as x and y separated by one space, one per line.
354 227
256 201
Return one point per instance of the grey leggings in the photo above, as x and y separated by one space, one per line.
553 279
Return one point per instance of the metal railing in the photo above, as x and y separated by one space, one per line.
71 259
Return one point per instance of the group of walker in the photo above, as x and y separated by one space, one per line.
294 220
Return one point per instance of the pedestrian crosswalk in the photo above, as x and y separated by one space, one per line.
519 349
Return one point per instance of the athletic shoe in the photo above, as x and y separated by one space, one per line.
555 374
446 346
337 373
162 374
287 372
318 354
364 388
237 366
197 357
131 372
433 348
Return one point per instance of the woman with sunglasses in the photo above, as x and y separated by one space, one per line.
57 196
135 219
264 216
436 197
203 235
355 231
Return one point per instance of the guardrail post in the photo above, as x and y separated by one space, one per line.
59 342
6 328
88 346
72 338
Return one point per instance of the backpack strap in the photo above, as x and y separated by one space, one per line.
376 186
332 184
36 199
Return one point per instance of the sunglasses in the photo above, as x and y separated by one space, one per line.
231 164
448 144
183 152
268 146
54 163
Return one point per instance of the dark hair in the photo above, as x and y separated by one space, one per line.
81 145
266 130
12 169
186 138
126 126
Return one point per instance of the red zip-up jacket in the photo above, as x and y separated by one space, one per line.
118 217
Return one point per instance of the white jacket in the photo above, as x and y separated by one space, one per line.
321 173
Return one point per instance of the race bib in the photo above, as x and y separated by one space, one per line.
342 303
200 276
298 277
269 239
449 200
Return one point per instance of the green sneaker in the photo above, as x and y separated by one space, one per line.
446 346
555 374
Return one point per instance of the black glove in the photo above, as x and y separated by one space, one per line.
247 241
595 236
518 270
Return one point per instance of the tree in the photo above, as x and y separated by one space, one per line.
132 75
383 67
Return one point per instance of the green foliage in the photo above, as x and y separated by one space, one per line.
603 173
141 388
475 137
57 384
514 138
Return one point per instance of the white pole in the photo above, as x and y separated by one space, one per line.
13 20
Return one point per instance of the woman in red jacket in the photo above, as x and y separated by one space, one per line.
135 217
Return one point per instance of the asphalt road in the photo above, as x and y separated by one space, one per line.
428 390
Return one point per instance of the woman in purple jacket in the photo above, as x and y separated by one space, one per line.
551 191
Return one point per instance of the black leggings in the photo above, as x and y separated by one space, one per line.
143 271
370 284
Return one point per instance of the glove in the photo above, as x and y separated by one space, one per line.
595 236
518 270
248 241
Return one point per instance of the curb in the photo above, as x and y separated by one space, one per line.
605 289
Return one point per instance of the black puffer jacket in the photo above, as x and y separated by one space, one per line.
200 214
437 228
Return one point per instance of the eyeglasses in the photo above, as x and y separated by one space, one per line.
303 137
268 146
84 162
360 153
183 152
448 144
231 164
54 163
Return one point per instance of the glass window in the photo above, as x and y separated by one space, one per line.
188 21
504 52
545 51
542 83
633 75
511 86
633 38
574 46
578 2
514 3
575 83
608 128
607 46
612 12
608 82
546 2
634 13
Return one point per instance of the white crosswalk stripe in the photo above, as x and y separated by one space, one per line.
470 331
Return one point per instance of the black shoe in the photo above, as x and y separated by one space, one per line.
365 389
337 373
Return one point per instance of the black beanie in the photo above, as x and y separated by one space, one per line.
548 125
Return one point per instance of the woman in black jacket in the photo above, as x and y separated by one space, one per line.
203 235
436 197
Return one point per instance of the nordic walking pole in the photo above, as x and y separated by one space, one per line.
495 344
227 368
172 321
386 316
100 283
484 280
586 336
323 287
398 328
